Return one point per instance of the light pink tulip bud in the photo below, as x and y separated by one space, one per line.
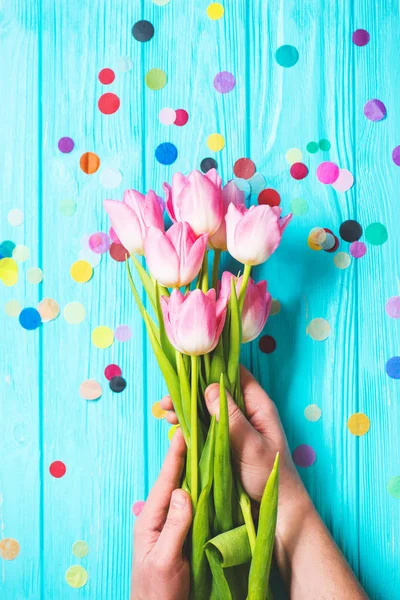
230 195
254 234
194 321
257 304
174 258
196 199
132 217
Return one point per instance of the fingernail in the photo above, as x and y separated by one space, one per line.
178 499
212 393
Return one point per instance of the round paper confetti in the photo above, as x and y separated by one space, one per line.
48 309
57 469
244 168
304 456
294 155
224 82
375 110
90 389
299 207
327 172
324 145
215 142
376 234
361 37
329 242
319 329
76 576
67 207
267 344
66 145
143 31
15 217
110 178
157 411
171 431
215 11
117 384
316 237
89 163
269 197
167 116
312 147
257 183
358 249
312 413
99 242
207 164
396 156
124 64
358 424
74 313
275 308
80 549
118 252
138 507
298 171
29 318
102 337
166 153
108 103
21 253
8 271
393 367
393 307
156 79
342 260
34 275
123 333
344 181
112 371
393 487
6 249
13 308
350 231
182 117
81 271
287 56
9 549
106 76
89 256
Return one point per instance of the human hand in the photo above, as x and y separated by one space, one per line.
159 568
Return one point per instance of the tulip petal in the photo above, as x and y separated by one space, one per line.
152 211
126 225
233 216
257 235
225 290
161 257
213 176
200 204
169 206
191 266
232 195
195 323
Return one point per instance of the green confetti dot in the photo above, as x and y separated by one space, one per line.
312 147
80 549
287 56
76 576
299 207
67 207
376 234
156 79
393 486
324 145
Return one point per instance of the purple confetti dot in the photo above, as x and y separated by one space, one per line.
393 367
99 242
361 37
375 110
66 145
393 307
304 455
358 249
224 82
123 333
396 156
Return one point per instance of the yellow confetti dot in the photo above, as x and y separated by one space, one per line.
171 431
74 313
215 142
294 155
21 253
275 308
358 424
157 411
76 576
80 549
102 337
34 275
8 271
13 308
48 309
9 549
81 271
342 260
215 11
312 413
318 329
90 389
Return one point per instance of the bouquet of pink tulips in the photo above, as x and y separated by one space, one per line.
196 333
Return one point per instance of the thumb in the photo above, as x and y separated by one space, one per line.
176 527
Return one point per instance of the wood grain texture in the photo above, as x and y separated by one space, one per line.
50 55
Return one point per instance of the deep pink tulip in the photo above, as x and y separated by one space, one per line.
194 321
196 199
230 195
257 304
174 258
254 234
132 217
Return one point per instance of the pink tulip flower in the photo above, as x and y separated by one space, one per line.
256 307
174 258
196 199
132 217
230 195
254 234
194 321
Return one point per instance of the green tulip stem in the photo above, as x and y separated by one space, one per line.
194 462
217 257
204 273
245 281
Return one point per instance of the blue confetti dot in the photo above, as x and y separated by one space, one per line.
287 56
29 318
393 367
166 153
6 249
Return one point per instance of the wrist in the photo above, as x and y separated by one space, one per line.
293 505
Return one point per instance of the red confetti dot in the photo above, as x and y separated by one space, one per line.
108 103
57 469
118 252
270 197
267 344
298 171
244 168
112 371
106 76
181 118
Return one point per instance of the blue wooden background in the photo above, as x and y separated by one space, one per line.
50 55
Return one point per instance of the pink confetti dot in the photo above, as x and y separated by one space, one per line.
393 307
112 371
358 249
298 171
99 242
123 333
138 507
327 172
181 118
344 182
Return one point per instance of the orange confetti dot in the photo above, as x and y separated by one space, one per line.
89 163
157 411
9 548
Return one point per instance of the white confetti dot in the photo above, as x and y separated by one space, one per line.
110 178
34 275
294 155
167 116
124 64
21 253
312 413
16 217
318 329
93 258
